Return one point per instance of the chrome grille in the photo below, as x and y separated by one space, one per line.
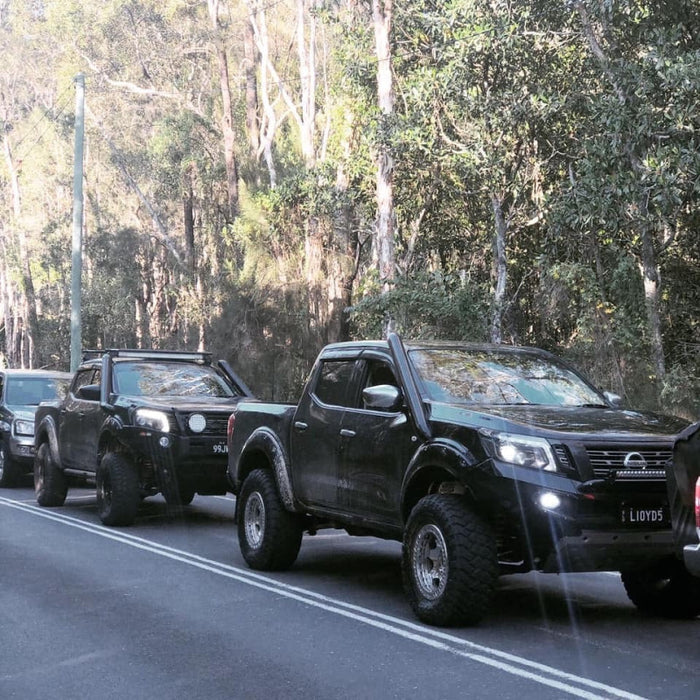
652 464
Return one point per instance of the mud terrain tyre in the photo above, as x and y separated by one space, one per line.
269 536
117 487
50 485
8 468
665 589
449 562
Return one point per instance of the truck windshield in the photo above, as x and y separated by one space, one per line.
169 379
462 375
31 391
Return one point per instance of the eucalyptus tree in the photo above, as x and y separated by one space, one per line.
30 103
634 175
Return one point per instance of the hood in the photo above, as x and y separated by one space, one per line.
573 420
23 412
182 404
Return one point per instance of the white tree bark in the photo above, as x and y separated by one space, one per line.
384 241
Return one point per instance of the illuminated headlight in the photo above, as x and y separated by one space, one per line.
24 427
197 422
523 451
153 420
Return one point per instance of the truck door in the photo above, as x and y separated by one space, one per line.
375 449
78 427
315 432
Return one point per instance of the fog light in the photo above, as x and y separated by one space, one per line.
549 500
164 441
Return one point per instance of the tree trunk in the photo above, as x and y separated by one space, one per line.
307 78
252 118
652 278
384 241
226 112
30 323
500 270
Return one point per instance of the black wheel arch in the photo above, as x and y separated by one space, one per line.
264 450
47 431
441 466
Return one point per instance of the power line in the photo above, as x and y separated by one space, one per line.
32 129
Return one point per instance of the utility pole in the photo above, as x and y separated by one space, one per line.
77 257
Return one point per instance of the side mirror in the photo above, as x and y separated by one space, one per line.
615 400
382 397
89 392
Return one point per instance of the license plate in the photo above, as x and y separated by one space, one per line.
644 515
220 448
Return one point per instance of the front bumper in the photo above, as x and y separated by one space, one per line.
22 449
564 525
691 556
200 461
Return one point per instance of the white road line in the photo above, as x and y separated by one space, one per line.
568 683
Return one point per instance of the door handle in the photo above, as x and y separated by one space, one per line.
347 433
300 426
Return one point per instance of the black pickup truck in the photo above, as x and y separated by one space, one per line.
135 423
482 460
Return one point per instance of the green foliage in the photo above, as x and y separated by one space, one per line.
499 105
425 306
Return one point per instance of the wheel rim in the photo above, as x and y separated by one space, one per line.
254 520
106 490
2 461
429 562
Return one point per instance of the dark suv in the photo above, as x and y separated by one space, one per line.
135 423
21 391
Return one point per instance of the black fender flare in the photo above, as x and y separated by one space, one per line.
442 455
109 434
265 440
49 429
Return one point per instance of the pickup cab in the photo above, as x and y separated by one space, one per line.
481 459
135 423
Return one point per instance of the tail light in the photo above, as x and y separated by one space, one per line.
697 505
231 423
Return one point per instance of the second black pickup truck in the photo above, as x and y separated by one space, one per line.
482 460
135 423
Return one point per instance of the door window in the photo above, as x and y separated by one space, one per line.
333 382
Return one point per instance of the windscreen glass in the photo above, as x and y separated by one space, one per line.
468 376
31 391
169 379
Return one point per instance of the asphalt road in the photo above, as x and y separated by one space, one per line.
168 609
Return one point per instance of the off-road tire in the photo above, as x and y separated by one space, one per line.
117 487
449 563
9 473
665 589
50 487
269 536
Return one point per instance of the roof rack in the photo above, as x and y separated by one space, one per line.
183 355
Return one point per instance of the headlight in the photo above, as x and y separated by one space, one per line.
24 427
153 420
522 450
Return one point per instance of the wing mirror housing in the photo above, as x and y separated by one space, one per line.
615 400
382 397
89 392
